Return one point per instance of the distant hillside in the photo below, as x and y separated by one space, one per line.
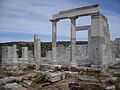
45 46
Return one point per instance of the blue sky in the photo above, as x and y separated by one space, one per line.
21 19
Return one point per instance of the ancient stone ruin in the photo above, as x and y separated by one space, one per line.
10 56
91 66
99 48
99 52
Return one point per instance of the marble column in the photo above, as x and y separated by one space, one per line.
73 61
25 53
14 54
54 41
37 49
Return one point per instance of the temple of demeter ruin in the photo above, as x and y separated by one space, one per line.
99 51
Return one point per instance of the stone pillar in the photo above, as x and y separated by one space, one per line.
15 54
37 49
25 53
101 50
89 45
73 42
54 41
7 57
96 37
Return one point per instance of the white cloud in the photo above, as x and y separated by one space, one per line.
29 16
24 24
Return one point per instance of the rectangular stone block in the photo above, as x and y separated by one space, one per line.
56 76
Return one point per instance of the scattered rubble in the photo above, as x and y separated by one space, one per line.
57 78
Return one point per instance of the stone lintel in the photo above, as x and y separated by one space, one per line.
82 11
77 9
79 28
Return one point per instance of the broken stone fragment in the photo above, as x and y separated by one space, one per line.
14 73
10 79
29 76
69 73
56 76
112 87
17 79
14 86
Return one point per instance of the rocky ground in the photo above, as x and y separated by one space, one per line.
59 78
